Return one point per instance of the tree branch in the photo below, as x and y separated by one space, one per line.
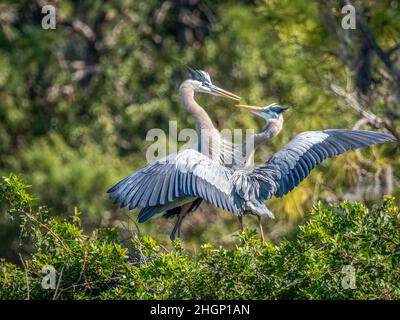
355 104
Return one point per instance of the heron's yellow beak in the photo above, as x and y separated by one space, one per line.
252 108
226 94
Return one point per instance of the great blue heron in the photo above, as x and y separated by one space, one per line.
181 178
210 142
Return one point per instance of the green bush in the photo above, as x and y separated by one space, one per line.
98 266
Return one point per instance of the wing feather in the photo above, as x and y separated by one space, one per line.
186 174
295 161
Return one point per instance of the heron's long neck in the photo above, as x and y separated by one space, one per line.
203 121
271 130
209 140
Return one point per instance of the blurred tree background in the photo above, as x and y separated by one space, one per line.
76 102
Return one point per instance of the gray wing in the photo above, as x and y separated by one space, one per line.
188 173
292 164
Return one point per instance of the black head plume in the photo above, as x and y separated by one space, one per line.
198 75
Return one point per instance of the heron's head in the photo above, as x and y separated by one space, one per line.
269 112
200 81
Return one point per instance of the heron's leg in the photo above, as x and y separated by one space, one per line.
183 214
176 227
261 229
184 211
241 223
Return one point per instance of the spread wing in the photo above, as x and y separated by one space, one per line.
292 164
188 173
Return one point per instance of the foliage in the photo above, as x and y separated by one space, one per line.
308 267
